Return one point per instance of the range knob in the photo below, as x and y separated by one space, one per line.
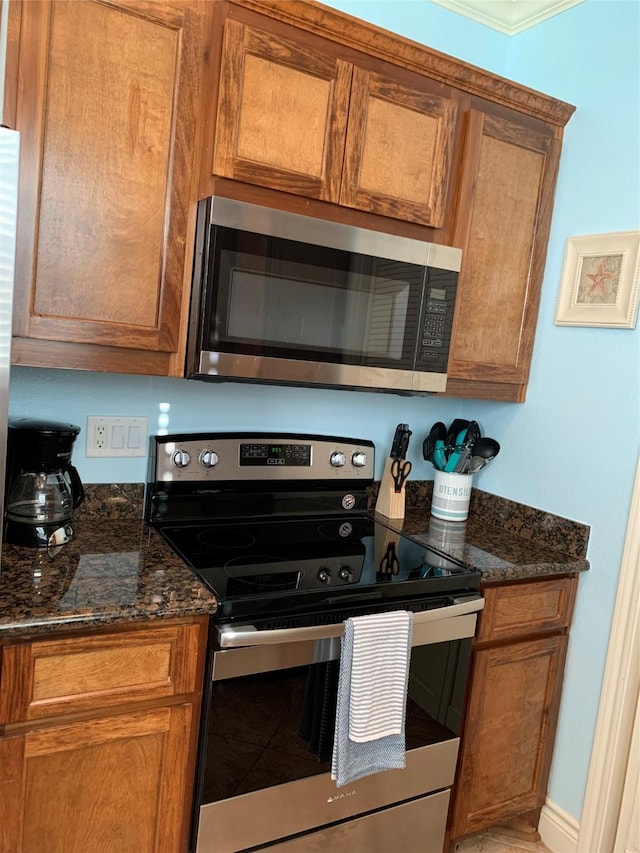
324 575
359 459
345 574
209 458
337 459
181 458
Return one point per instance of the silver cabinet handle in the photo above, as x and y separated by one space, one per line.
248 635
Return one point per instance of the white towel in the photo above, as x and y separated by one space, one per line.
372 696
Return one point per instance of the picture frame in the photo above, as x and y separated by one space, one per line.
600 281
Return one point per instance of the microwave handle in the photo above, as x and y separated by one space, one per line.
248 635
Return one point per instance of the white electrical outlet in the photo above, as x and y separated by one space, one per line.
116 436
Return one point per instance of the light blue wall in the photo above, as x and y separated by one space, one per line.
572 447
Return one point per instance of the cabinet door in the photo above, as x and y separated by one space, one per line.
399 147
504 210
508 739
524 610
49 678
282 113
107 108
113 784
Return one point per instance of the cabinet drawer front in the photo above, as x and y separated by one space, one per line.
65 676
522 610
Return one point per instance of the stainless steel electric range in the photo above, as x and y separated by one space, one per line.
276 525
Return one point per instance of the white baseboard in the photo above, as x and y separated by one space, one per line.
558 830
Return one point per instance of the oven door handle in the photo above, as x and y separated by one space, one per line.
248 635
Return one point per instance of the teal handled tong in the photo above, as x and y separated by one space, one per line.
439 455
454 457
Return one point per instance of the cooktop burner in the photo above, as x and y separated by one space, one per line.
314 561
271 540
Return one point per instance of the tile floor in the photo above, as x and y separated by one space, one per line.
495 841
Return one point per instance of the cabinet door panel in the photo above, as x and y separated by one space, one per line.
508 176
508 738
112 784
526 609
109 128
50 678
282 113
399 148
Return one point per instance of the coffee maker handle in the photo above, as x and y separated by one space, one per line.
76 486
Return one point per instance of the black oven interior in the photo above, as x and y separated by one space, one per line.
278 528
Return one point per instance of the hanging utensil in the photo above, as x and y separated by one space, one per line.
438 432
461 465
456 452
484 450
455 428
473 433
439 455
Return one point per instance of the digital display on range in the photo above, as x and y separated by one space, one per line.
275 454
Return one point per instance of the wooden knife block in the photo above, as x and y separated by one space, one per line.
390 503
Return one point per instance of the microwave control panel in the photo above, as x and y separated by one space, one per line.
437 320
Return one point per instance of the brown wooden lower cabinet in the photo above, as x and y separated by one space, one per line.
117 778
512 705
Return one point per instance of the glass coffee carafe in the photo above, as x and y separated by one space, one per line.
43 487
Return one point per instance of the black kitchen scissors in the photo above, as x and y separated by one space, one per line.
389 564
400 469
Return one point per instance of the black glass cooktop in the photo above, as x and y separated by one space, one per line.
296 565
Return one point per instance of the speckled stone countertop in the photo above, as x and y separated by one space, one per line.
504 539
118 570
115 570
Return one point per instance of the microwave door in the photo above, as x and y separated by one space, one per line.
315 303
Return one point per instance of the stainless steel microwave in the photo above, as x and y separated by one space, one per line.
290 299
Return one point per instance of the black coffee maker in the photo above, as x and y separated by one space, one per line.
42 486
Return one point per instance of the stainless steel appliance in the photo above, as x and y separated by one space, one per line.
42 486
277 526
282 297
9 162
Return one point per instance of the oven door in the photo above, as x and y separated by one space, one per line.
263 781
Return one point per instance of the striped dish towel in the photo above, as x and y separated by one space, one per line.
372 696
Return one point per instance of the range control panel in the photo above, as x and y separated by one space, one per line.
213 457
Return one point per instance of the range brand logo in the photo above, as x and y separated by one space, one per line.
342 796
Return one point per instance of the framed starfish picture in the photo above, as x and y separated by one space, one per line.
600 281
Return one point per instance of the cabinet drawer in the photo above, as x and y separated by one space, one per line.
522 610
50 678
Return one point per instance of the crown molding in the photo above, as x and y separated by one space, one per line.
508 16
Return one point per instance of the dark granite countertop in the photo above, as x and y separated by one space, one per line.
112 571
118 570
503 539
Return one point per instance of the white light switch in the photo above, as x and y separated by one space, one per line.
117 437
114 435
133 442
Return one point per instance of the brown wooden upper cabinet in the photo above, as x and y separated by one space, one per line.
508 172
131 110
293 115
107 102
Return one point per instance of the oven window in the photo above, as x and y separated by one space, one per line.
277 727
281 298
